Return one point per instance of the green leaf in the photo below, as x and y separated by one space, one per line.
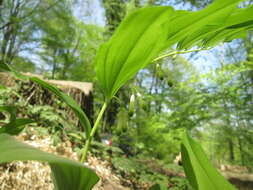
66 174
148 31
198 168
220 21
236 26
139 38
11 110
15 127
69 101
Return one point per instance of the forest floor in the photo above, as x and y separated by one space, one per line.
32 175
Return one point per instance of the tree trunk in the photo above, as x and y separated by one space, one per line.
10 34
115 11
231 150
241 151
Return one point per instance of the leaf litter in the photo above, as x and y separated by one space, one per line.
33 175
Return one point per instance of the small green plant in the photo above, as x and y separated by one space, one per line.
139 41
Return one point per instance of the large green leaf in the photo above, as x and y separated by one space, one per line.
221 21
198 168
148 31
67 174
187 28
139 38
236 26
68 100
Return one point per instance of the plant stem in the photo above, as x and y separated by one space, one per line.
92 133
177 52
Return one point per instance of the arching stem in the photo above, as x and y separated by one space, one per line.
92 133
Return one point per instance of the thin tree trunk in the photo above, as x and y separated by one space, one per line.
241 151
54 65
231 150
9 34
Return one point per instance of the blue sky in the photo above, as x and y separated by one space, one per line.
91 11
